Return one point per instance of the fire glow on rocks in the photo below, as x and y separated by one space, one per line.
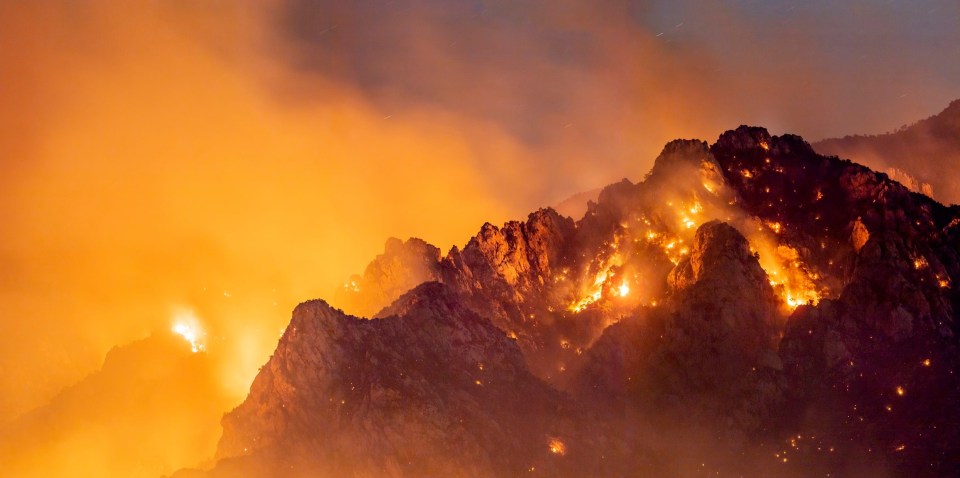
671 299
667 208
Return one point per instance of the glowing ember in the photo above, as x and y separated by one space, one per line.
926 362
900 391
624 289
557 447
920 263
187 326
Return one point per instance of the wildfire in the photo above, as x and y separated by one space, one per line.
557 447
595 291
791 281
593 296
187 326
792 301
624 289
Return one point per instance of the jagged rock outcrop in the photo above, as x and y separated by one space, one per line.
401 267
725 319
702 354
870 372
436 391
770 302
512 275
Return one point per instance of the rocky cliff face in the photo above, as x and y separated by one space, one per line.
871 371
433 391
772 310
401 267
706 357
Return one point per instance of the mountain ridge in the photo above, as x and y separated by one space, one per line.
801 273
921 155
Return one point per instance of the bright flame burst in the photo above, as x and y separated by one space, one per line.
671 226
187 326
789 278
557 447
597 292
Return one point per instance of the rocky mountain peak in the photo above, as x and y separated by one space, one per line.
719 253
752 292
401 267
435 390
726 310
683 151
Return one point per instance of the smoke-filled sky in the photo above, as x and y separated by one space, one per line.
235 158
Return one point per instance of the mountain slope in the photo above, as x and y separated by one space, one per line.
152 406
924 155
750 308
434 391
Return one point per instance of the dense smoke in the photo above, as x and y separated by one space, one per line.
235 159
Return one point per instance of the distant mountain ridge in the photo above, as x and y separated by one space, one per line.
924 156
154 399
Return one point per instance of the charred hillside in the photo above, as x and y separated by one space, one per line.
750 308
